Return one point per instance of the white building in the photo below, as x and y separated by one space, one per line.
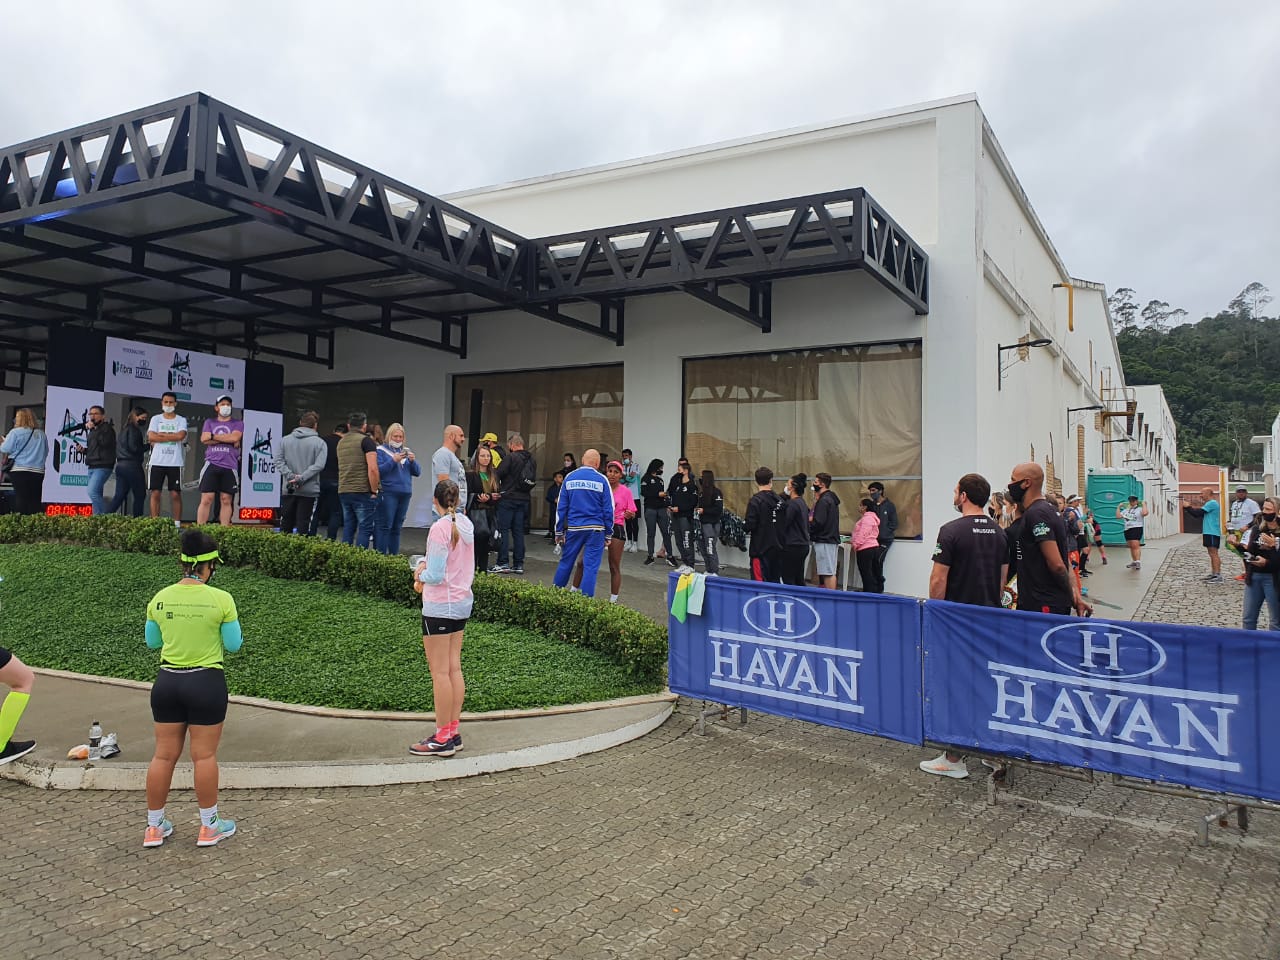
1155 447
1270 444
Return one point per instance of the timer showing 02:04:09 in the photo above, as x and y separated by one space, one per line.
257 513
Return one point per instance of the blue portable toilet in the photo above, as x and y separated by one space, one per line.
1107 490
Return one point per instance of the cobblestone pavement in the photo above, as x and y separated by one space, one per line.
1180 595
776 839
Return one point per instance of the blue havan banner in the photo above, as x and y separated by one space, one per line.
1185 705
837 659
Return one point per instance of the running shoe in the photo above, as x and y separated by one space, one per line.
1138 565
431 747
154 836
1104 561
648 560
500 568
15 749
673 561
518 571
943 767
457 742
211 836
1216 578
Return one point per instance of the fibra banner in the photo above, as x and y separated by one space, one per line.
1187 705
146 370
66 476
842 660
259 481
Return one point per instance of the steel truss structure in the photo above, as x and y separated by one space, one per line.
193 223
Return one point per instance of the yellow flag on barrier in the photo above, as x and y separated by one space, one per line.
680 601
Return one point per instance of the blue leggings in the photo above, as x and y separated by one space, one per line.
589 543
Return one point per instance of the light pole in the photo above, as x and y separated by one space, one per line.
1021 346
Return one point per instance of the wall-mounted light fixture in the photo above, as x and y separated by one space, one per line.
1023 347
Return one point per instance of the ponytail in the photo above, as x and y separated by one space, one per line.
446 494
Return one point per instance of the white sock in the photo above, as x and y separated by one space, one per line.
209 815
573 589
613 598
155 817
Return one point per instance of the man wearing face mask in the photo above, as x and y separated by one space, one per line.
129 475
167 433
1045 584
221 436
888 515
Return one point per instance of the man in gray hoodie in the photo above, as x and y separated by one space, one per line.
301 458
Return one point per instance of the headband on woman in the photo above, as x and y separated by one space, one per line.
200 558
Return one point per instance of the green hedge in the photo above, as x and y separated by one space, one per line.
631 638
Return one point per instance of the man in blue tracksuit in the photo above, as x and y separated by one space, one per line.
584 521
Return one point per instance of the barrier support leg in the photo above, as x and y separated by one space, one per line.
720 710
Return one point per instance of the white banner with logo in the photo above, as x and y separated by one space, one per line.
146 370
259 481
66 477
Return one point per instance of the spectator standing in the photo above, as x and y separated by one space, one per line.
482 481
446 465
517 476
653 498
1261 543
359 482
623 505
710 512
1209 513
490 440
584 522
99 456
1045 584
682 501
302 456
552 496
866 545
888 514
167 434
1133 515
191 624
824 529
570 464
793 532
328 507
760 522
970 561
130 447
446 574
1243 510
1081 531
631 479
221 435
20 679
397 467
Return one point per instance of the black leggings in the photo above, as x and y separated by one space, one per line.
867 570
791 563
26 490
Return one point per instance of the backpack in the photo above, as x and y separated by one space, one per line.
527 479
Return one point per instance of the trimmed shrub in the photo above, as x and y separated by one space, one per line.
631 638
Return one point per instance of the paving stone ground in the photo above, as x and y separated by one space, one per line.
777 839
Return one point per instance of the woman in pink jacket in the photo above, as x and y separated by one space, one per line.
445 575
866 534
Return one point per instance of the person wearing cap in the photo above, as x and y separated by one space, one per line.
1133 515
490 440
221 436
1243 509
193 625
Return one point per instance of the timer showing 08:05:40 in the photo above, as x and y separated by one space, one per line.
258 514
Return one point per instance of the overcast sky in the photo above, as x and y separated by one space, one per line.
1145 133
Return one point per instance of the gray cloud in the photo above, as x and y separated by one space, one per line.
1143 132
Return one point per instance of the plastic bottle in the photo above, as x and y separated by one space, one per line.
95 741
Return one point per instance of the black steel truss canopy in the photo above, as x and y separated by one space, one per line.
193 223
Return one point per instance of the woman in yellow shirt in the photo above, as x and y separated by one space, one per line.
191 624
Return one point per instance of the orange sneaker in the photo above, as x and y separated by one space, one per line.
155 836
209 836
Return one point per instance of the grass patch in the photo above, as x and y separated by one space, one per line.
83 609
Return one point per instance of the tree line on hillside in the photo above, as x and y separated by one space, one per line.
1218 374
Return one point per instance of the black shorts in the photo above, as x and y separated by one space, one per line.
1211 541
197 697
439 626
156 476
619 532
5 657
217 480
1133 533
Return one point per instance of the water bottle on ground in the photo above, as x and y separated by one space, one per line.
95 741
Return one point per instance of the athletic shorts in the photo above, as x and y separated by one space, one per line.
824 558
1133 533
217 480
619 532
195 696
5 657
156 477
439 626
1209 540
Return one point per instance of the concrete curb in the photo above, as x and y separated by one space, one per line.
67 775
311 711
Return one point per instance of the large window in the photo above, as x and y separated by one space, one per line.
381 400
853 412
555 411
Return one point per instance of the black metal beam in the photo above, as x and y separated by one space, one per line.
758 313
